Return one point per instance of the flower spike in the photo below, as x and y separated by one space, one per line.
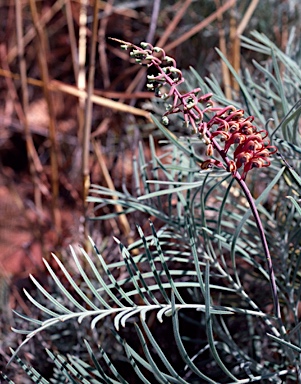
228 128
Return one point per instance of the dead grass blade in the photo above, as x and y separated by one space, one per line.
31 33
223 48
203 24
35 166
54 150
173 24
237 31
72 37
123 221
58 86
102 44
88 118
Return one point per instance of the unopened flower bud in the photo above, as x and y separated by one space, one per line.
210 163
165 120
209 151
232 166
157 92
144 44
149 58
205 139
165 96
207 164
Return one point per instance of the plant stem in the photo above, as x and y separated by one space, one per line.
254 210
193 115
258 222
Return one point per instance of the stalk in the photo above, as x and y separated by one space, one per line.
251 148
263 239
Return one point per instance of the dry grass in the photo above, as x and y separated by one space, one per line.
68 100
59 77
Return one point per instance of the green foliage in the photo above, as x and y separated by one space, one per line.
194 283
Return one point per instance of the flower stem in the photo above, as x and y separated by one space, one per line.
251 151
263 239
250 200
260 228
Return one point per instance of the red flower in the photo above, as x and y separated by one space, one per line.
227 128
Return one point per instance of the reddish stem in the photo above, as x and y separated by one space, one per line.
241 182
194 115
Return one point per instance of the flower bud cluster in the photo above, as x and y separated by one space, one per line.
250 147
227 128
167 71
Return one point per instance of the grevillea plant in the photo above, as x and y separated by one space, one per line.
201 316
232 141
227 128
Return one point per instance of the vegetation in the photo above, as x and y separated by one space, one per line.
208 288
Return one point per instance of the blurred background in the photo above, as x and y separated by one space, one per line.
73 109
